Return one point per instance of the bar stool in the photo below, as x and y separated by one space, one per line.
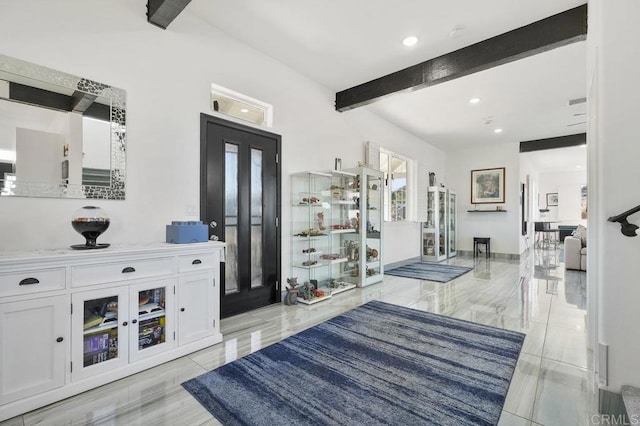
487 246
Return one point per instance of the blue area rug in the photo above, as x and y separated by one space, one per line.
429 271
376 364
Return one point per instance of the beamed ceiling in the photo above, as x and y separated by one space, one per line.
525 60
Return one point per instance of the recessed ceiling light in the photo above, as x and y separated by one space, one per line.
244 110
410 41
497 130
474 100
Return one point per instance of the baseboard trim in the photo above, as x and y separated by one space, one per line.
501 256
402 263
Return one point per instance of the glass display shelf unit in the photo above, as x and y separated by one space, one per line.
434 230
321 221
439 232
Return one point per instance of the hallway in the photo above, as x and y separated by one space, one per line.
536 296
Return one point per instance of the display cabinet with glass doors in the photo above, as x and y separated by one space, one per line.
310 212
324 225
365 247
434 230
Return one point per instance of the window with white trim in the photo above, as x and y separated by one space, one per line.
399 186
234 104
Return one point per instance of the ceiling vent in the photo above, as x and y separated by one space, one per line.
577 101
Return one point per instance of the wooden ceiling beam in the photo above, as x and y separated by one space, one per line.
552 143
549 33
162 12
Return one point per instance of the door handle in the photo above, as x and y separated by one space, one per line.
214 238
196 262
213 224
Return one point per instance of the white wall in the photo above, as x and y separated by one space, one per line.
502 228
567 185
167 75
613 152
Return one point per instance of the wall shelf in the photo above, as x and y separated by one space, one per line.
487 211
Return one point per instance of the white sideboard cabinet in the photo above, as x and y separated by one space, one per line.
74 320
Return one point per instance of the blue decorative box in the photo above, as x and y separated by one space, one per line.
180 232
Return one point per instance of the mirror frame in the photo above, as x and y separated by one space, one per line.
117 98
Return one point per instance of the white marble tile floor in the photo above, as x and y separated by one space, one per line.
551 384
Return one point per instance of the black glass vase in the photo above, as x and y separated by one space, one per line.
90 222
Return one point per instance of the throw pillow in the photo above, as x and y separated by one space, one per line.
581 233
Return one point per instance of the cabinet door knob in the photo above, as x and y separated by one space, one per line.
124 324
29 281
128 269
134 321
196 262
181 309
59 339
213 224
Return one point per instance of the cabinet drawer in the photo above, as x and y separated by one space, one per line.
196 262
26 282
120 271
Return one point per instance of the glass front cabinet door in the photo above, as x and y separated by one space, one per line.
114 326
367 245
434 230
100 330
453 223
442 223
343 231
429 233
372 227
152 326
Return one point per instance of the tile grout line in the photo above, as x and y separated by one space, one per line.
544 342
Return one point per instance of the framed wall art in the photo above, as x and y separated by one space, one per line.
487 186
552 199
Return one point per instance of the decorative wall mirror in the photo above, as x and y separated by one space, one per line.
61 136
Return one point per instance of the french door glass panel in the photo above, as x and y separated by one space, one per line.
256 218
231 218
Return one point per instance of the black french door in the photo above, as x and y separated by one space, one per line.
240 200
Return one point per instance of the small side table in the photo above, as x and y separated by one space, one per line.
487 245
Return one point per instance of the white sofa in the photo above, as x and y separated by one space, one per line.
575 256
